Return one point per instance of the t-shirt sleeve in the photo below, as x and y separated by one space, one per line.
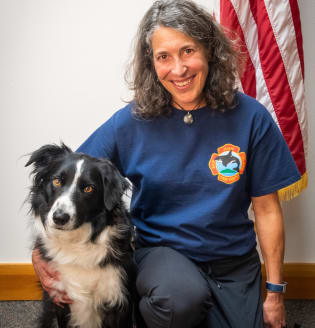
271 165
102 143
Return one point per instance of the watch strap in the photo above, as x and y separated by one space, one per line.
277 288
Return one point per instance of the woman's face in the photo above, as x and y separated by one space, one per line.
181 66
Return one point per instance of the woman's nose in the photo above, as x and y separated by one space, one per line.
179 68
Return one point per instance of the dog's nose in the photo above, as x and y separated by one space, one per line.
60 217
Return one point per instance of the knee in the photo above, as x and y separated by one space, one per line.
156 311
183 306
173 292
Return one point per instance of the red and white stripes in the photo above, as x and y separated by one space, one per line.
270 35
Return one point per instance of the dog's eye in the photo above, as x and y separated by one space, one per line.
57 182
88 189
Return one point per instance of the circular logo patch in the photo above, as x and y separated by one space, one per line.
228 163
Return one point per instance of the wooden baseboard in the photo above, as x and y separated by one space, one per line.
19 282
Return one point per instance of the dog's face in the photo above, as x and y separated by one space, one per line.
74 192
71 189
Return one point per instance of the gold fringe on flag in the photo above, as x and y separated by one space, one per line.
293 190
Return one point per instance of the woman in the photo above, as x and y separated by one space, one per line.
197 153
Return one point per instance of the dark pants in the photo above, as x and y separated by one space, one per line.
177 293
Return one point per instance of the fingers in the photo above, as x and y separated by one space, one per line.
42 267
56 301
64 298
48 278
46 275
61 299
275 324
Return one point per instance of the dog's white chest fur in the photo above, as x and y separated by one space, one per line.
86 283
90 290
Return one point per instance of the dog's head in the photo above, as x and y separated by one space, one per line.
70 189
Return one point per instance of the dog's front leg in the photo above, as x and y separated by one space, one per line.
111 319
63 316
50 311
48 315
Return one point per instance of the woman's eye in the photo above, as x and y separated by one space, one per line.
189 51
162 57
56 182
88 189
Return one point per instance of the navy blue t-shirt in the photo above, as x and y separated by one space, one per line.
192 184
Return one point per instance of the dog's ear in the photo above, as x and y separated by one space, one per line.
114 185
44 155
42 159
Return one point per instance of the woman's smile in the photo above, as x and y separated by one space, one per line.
183 84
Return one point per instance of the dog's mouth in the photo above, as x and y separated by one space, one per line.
70 226
61 228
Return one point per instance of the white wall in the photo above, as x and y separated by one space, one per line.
61 76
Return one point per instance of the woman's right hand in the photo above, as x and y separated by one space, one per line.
47 277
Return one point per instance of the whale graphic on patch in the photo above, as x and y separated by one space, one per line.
228 163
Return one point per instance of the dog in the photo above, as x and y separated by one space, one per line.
82 229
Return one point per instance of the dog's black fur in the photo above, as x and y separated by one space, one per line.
83 230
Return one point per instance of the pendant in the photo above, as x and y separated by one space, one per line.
188 119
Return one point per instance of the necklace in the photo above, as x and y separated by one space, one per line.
188 118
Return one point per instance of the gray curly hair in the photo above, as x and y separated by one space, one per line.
150 97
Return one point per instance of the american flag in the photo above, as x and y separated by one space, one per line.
270 37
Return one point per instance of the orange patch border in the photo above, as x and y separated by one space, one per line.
213 167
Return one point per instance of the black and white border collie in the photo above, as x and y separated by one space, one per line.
83 230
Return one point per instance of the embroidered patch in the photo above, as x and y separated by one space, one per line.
228 164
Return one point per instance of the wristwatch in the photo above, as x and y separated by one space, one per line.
277 288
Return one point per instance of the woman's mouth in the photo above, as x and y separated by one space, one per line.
184 84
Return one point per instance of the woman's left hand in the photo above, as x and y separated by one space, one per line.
274 311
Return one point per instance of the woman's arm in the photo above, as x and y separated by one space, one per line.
270 231
47 276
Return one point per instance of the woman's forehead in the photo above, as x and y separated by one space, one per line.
166 38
